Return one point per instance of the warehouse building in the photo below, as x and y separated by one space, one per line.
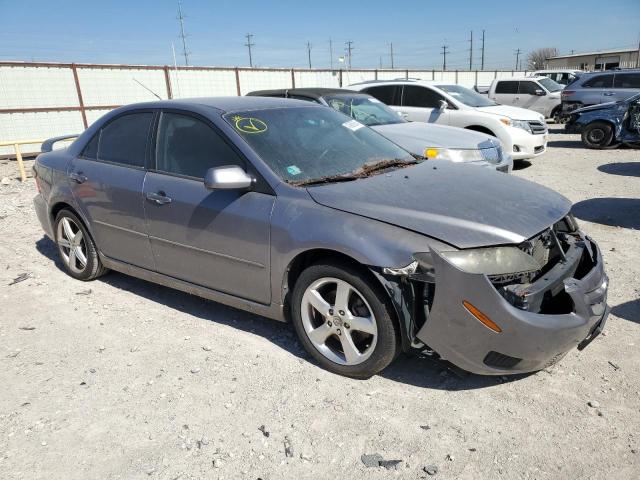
603 60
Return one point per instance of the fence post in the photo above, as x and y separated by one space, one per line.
80 101
476 78
293 79
167 81
433 74
23 175
406 74
456 76
495 75
237 81
340 78
376 73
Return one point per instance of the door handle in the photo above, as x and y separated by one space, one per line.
608 94
78 177
159 198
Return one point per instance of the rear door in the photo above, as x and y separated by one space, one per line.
506 92
217 239
107 179
625 85
422 104
596 89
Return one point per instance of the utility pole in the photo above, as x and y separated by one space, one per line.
249 44
518 52
482 67
471 51
380 62
391 46
309 53
331 53
444 57
182 34
349 48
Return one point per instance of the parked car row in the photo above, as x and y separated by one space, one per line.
296 211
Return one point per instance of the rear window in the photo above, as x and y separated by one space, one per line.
599 81
124 140
507 87
627 80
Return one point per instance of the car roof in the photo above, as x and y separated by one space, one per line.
224 104
305 92
614 71
533 77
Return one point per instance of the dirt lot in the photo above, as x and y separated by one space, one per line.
120 378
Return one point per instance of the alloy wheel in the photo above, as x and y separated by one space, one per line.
338 321
72 244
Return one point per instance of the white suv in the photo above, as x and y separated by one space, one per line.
523 132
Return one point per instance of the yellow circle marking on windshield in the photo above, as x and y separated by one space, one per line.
249 124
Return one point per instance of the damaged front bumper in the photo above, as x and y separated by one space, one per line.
539 322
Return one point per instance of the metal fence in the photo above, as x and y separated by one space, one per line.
42 100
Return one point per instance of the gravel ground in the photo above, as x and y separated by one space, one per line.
120 378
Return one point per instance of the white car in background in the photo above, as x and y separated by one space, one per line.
523 132
540 94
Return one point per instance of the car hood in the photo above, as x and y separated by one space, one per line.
514 113
462 205
416 136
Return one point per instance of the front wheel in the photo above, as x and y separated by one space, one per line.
343 321
597 135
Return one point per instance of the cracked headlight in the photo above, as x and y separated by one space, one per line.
489 155
493 261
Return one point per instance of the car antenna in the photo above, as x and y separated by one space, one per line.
148 89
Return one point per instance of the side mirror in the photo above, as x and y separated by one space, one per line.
442 105
229 177
540 93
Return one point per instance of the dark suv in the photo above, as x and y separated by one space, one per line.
600 87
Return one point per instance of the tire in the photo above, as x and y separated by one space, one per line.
597 135
76 247
555 114
366 325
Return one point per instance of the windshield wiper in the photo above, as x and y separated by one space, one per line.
343 177
369 168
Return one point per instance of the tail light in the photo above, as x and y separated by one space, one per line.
567 93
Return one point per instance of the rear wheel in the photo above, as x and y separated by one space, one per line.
76 247
343 321
597 135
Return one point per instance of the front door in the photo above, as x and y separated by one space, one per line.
529 99
422 104
216 239
107 179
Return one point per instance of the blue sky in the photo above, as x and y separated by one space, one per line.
142 31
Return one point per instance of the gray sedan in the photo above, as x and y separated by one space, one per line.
428 140
297 212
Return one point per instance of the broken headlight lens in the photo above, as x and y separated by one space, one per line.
493 261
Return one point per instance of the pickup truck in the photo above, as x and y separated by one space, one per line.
540 94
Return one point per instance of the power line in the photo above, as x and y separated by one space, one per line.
444 57
309 53
349 48
182 34
249 44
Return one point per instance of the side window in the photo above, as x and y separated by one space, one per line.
124 140
529 88
415 96
91 149
188 146
599 81
385 93
627 80
507 87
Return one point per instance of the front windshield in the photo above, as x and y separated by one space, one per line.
550 85
467 96
310 143
365 109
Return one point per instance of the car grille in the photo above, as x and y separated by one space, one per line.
538 128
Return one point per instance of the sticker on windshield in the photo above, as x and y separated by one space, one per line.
293 170
353 125
249 124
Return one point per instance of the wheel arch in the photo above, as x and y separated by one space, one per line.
481 129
